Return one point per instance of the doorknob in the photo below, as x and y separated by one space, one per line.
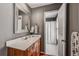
56 41
63 40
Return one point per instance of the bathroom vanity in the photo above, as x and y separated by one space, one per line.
24 46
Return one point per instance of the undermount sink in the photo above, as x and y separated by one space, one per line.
30 36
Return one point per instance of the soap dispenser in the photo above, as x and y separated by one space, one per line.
32 30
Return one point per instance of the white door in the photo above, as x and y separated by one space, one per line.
61 30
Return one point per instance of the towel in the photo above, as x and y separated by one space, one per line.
75 44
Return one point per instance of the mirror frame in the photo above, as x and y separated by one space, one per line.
15 17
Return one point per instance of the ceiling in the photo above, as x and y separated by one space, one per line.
34 5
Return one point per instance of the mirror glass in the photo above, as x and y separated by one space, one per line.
22 19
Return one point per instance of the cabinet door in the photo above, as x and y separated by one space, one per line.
30 51
34 50
10 51
37 48
18 52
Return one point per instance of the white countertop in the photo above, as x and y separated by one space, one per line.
22 43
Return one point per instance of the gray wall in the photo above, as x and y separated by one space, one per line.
6 26
38 18
73 21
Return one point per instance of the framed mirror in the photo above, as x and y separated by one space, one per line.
21 19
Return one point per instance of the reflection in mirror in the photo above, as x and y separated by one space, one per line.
22 19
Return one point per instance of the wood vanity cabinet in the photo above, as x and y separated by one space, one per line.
33 50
